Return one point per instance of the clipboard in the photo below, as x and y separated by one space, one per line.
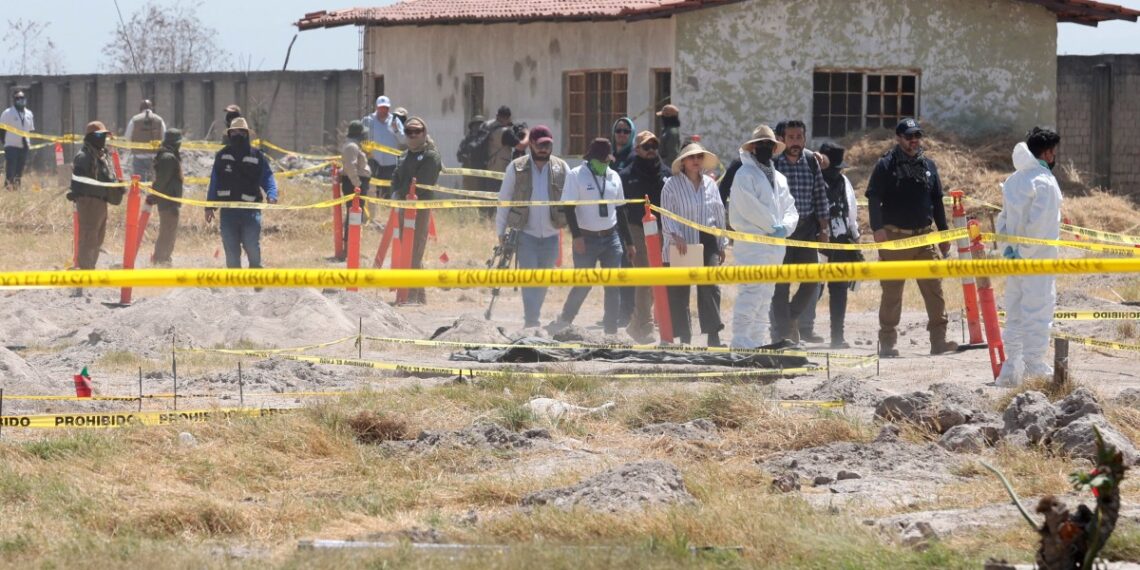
694 256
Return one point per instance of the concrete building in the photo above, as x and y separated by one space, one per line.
578 65
311 106
1098 117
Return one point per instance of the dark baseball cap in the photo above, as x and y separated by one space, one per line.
541 134
908 126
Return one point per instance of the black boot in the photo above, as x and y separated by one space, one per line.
714 340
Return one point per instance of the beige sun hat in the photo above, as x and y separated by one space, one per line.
763 133
692 149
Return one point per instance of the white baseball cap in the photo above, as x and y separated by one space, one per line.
383 101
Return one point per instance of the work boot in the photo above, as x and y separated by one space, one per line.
943 347
839 343
888 351
1038 368
714 340
811 337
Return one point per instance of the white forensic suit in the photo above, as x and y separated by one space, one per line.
1032 209
761 205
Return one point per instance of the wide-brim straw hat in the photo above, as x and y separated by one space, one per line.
692 149
239 124
763 133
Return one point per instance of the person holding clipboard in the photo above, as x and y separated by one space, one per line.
695 197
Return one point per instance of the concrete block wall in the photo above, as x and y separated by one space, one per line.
311 112
1083 125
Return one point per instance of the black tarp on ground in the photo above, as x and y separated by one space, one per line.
529 350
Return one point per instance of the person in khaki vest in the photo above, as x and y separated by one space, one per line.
539 176
144 128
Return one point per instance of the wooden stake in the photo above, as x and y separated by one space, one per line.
1060 361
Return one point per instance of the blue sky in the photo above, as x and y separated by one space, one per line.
257 33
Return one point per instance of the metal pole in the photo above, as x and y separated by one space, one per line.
878 358
360 338
1 407
828 364
140 388
176 392
174 364
241 388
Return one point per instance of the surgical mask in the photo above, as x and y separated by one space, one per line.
21 102
598 167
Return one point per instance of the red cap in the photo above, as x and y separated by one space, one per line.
541 134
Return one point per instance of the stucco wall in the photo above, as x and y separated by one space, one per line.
424 68
986 64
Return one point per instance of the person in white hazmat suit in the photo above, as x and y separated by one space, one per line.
1032 209
761 204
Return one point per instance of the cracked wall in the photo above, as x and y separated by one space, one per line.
986 65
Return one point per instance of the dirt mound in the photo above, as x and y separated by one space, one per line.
849 389
885 468
272 375
17 378
696 430
40 317
633 486
472 329
479 436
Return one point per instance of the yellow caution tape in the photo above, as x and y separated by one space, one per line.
474 194
245 205
452 204
269 351
269 145
631 347
1091 315
107 420
488 373
75 398
370 146
1111 237
474 173
1098 343
632 277
895 245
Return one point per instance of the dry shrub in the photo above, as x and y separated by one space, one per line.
371 428
200 519
661 407
1041 384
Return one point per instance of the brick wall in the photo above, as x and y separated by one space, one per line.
1098 115
299 120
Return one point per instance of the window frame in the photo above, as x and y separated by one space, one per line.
602 117
868 120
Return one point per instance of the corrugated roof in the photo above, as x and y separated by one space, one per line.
446 12
443 12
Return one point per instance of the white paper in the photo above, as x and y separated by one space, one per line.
694 256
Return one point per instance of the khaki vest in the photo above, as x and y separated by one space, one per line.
519 215
147 127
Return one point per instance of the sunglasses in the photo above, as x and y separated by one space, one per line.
623 132
913 137
650 146
544 145
413 132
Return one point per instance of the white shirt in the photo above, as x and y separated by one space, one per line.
582 184
13 118
701 205
538 220
388 132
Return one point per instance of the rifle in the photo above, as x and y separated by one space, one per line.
501 258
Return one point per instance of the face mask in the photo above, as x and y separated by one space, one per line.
763 153
1051 165
238 138
598 167
20 103
97 140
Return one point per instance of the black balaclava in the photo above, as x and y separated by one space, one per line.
763 152
671 121
96 141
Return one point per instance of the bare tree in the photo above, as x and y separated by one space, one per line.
164 37
35 53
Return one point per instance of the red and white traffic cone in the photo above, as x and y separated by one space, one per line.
988 304
354 220
133 200
969 285
660 296
407 240
338 216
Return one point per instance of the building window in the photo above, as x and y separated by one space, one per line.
120 106
662 93
208 108
179 104
594 100
473 96
848 101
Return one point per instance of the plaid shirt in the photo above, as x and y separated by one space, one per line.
806 186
